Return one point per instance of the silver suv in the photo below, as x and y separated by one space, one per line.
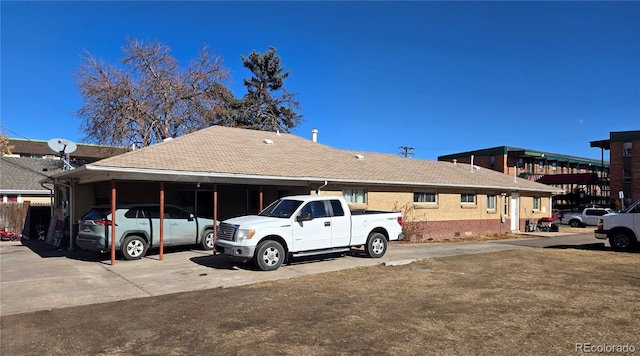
138 229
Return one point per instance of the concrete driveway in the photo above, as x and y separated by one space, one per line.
35 276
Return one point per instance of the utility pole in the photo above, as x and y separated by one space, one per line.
406 151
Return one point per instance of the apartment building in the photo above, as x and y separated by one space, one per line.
624 157
583 180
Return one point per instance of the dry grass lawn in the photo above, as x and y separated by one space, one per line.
532 301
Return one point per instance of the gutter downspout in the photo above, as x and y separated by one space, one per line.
320 187
50 197
70 212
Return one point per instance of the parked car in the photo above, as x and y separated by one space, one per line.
138 229
587 216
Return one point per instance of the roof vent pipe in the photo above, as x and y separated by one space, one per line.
314 135
471 163
320 187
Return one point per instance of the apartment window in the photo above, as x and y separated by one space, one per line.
468 198
491 202
626 149
520 162
554 165
425 197
356 196
492 163
626 176
536 203
541 164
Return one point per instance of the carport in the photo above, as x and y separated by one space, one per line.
242 196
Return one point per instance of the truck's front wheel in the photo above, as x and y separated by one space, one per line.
269 255
376 245
620 241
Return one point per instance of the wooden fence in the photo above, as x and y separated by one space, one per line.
13 216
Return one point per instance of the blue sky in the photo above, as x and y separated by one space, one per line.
441 77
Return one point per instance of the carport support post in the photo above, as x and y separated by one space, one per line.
215 215
161 220
113 222
261 199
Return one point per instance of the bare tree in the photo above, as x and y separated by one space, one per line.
150 98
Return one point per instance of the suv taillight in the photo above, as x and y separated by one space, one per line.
102 222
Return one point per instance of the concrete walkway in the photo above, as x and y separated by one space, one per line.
36 276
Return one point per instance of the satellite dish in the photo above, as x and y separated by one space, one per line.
62 146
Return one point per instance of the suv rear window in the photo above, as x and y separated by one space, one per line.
95 214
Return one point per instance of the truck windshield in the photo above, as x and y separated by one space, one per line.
281 208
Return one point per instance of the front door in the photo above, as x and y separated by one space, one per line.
314 232
515 212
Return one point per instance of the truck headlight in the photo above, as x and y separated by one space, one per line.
244 234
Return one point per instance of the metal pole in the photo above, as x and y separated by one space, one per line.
215 215
261 199
161 220
113 222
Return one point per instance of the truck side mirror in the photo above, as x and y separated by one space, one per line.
191 217
303 217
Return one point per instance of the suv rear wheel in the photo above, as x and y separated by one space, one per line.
133 247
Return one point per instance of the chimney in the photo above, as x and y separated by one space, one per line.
314 135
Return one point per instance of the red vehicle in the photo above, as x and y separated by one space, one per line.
9 236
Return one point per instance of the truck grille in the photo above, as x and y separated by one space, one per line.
226 231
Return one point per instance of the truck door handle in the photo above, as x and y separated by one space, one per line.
327 223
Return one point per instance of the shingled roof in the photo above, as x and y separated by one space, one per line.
224 154
83 152
22 174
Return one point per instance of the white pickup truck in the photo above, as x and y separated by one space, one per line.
306 225
621 228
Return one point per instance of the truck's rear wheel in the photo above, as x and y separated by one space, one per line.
620 241
269 255
376 245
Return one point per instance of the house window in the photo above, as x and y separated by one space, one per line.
425 197
536 203
554 165
491 202
626 149
468 198
356 196
492 163
520 162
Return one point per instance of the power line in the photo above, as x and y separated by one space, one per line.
13 132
